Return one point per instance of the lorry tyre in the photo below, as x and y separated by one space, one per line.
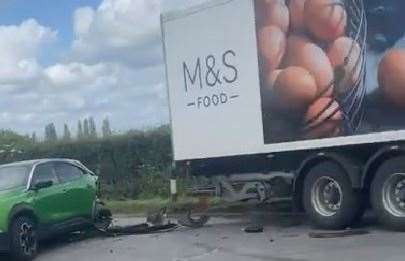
388 193
23 239
329 199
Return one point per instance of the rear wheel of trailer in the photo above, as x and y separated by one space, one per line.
387 193
329 199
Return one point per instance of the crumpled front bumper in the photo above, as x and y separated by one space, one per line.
4 242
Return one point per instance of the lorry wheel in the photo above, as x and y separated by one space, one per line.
329 199
23 237
388 193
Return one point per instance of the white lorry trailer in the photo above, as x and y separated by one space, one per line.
267 94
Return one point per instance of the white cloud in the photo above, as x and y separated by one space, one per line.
74 74
82 20
19 47
114 69
124 31
23 40
118 31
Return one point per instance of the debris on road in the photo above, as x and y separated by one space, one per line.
155 222
254 229
139 229
336 234
194 222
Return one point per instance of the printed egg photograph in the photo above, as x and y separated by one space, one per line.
324 73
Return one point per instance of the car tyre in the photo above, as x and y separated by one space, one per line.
388 194
23 239
329 199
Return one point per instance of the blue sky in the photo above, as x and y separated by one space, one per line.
56 14
65 60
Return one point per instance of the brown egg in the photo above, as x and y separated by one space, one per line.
325 19
304 53
273 12
296 8
340 49
267 89
272 77
391 76
295 88
323 119
271 45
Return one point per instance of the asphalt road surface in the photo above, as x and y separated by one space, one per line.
285 238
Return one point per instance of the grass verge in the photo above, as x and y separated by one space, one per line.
137 207
141 207
145 206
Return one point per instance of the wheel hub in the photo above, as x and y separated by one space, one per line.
400 191
331 194
27 239
394 195
326 196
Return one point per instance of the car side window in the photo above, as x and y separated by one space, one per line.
43 173
67 172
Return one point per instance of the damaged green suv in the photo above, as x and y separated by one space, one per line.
40 198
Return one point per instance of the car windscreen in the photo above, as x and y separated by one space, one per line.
13 177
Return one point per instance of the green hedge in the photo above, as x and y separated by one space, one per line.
134 165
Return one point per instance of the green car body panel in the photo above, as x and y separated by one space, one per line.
9 199
51 205
63 201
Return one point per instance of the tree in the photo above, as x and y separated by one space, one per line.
129 165
106 129
92 128
50 133
86 130
12 141
47 133
34 137
80 133
66 133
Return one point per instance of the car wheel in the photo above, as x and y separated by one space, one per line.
388 194
329 199
24 240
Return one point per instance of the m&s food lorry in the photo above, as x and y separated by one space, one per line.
308 95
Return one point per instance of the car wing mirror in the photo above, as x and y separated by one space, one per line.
43 184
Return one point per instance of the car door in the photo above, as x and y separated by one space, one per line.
80 193
48 202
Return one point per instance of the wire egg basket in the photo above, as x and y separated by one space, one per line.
350 101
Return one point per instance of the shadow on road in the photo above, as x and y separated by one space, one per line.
57 242
263 217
